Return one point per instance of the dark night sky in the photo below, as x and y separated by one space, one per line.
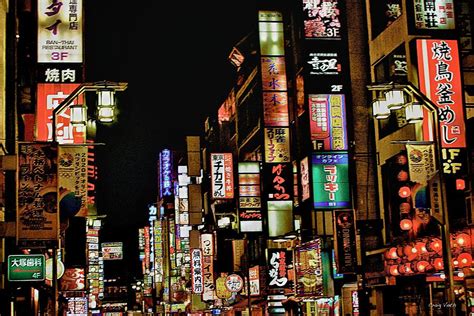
177 73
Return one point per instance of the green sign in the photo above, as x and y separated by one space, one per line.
26 267
331 180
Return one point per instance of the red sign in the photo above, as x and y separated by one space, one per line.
440 80
49 97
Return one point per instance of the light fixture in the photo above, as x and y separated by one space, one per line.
106 114
414 112
380 109
78 115
406 224
395 99
105 105
105 97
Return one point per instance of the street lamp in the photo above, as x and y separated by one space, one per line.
414 114
105 105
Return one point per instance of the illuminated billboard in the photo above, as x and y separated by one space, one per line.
165 173
49 96
328 121
439 75
331 180
321 19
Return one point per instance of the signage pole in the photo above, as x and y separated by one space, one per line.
54 281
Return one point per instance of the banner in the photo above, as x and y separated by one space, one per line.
345 241
37 197
421 162
72 181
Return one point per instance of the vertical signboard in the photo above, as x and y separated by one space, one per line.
440 80
207 246
278 262
222 176
60 31
196 271
165 173
345 241
72 180
309 269
277 144
276 141
328 121
331 180
305 185
37 198
250 200
49 96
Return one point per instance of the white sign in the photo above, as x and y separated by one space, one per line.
234 283
60 31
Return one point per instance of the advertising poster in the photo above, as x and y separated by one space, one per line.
37 197
309 269
72 181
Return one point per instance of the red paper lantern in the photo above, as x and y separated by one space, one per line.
438 263
404 192
464 260
406 224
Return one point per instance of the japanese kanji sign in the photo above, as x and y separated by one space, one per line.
328 121
60 31
440 80
321 19
434 14
50 95
278 261
197 275
222 176
37 202
309 269
26 267
234 283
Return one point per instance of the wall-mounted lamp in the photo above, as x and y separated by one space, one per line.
414 112
105 105
395 99
380 109
78 115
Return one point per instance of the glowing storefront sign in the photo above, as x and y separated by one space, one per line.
440 80
434 14
197 271
166 165
222 176
60 31
50 95
321 19
328 121
331 180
